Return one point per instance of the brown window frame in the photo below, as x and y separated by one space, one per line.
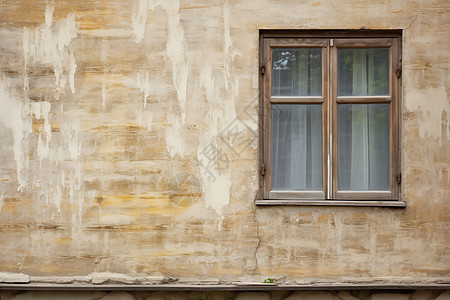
329 41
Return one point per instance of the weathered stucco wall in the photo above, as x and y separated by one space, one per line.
110 111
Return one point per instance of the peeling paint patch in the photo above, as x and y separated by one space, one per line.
15 115
174 139
2 199
145 116
139 19
176 53
58 170
218 192
103 95
41 110
221 111
145 119
144 85
431 101
49 44
227 40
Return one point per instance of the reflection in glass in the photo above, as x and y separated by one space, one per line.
296 72
296 147
363 147
363 72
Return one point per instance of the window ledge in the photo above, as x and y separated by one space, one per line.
357 203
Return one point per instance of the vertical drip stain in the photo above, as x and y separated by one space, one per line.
48 44
139 19
41 110
176 54
144 85
47 163
103 95
15 116
222 113
145 115
227 42
174 138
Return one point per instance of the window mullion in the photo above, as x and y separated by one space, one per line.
332 146
328 132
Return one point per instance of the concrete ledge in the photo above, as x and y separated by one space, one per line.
224 287
11 278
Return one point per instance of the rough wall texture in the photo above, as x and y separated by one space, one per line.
111 110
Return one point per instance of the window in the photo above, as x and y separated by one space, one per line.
329 107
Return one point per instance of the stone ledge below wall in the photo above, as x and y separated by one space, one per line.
219 287
121 282
231 295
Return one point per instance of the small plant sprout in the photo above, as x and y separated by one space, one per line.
269 280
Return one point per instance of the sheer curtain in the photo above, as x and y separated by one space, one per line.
296 147
363 129
296 72
296 129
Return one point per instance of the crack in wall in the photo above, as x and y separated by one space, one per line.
259 239
412 22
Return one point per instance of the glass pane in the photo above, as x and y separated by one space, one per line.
363 147
363 72
296 72
296 147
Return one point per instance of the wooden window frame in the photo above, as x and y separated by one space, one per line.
329 41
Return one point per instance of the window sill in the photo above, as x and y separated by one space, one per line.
356 203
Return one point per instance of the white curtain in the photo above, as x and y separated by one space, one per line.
296 147
296 72
296 130
363 131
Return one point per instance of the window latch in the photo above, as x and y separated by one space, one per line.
263 70
399 178
262 170
398 71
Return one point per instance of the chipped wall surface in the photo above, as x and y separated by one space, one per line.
110 112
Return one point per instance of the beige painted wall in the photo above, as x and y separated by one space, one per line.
108 107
